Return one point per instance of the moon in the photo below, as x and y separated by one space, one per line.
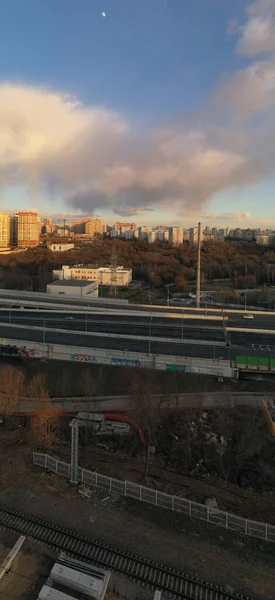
103 14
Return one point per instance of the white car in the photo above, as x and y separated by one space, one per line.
69 318
248 316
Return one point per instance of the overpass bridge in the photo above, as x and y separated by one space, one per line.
213 342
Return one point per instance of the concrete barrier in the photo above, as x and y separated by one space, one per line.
162 402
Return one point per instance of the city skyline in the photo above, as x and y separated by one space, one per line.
175 125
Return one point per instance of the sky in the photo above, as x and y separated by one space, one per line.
153 111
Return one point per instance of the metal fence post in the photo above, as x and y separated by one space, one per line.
74 451
96 479
56 466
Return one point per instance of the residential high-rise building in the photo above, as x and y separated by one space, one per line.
175 235
48 226
94 227
193 236
29 227
5 230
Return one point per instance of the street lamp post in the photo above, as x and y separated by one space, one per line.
182 324
44 328
150 330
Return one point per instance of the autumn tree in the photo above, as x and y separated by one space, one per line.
11 388
44 419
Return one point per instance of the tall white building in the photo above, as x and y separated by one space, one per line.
151 237
175 235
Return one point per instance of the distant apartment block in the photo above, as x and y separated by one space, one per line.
28 229
175 235
5 230
102 275
88 226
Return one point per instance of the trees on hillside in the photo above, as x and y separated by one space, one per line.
157 264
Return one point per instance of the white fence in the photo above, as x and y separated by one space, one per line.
262 531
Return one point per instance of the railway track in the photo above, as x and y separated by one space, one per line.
171 582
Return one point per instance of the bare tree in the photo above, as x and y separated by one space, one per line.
145 408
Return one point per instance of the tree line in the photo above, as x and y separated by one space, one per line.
244 265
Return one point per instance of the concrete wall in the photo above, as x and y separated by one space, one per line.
216 368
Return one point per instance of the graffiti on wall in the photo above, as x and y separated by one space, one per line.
174 367
28 351
84 358
125 362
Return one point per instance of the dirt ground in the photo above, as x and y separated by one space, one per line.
194 547
28 572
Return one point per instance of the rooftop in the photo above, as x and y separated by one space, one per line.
71 283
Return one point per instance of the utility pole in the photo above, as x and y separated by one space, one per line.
113 283
198 284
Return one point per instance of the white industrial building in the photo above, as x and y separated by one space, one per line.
59 247
101 275
73 288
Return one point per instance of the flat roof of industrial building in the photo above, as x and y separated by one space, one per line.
71 283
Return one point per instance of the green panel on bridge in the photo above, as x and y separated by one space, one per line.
263 361
174 368
253 360
241 360
272 363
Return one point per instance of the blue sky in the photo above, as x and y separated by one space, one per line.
149 69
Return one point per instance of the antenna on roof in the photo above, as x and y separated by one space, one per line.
113 290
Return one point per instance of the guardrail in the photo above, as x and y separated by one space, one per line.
256 529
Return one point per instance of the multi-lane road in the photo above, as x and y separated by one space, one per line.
178 335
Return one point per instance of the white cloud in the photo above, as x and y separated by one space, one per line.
258 33
251 89
95 159
228 216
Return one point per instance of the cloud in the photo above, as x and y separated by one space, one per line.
95 159
228 216
251 89
258 33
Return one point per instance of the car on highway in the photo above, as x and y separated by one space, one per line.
69 318
248 316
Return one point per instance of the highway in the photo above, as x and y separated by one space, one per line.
175 348
182 328
264 321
